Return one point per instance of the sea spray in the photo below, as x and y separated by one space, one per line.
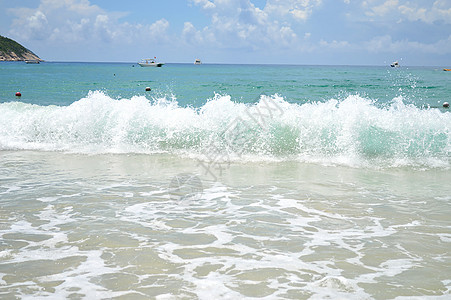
350 131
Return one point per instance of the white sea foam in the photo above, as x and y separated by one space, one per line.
353 131
280 239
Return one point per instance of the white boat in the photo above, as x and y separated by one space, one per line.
150 62
31 61
197 62
395 64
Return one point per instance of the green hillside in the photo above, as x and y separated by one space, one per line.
12 50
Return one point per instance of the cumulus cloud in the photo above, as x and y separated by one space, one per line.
280 26
300 10
33 25
190 35
381 44
385 8
440 11
335 44
239 23
75 21
424 11
205 4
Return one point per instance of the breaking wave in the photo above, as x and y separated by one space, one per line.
353 131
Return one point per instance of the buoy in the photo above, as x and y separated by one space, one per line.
445 104
18 94
147 89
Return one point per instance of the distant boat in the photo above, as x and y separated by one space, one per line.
395 64
197 62
32 61
150 62
446 69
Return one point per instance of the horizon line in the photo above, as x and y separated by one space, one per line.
228 63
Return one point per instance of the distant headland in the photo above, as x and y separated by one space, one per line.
11 50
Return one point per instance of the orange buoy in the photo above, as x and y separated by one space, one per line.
18 94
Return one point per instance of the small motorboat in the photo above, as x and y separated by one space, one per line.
197 62
32 61
395 64
150 62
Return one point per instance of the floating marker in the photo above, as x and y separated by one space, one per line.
18 94
147 89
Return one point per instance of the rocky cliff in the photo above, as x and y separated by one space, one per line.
12 51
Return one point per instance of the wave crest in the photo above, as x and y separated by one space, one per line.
352 131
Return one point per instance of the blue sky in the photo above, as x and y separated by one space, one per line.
370 32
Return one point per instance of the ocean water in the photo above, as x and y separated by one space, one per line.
224 182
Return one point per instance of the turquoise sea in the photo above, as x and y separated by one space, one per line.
224 182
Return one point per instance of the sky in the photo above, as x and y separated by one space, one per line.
308 32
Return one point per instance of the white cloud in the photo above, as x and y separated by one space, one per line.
78 7
378 44
56 17
205 4
424 11
383 9
280 27
299 10
190 33
77 21
384 44
156 31
440 11
239 23
334 44
34 25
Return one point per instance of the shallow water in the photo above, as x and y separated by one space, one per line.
106 226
